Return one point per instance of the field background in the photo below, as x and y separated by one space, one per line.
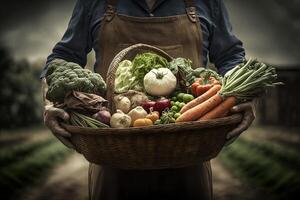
264 163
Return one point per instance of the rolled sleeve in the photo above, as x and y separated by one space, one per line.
76 43
226 50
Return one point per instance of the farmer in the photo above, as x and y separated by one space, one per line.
196 29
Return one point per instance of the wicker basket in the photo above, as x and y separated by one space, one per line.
155 147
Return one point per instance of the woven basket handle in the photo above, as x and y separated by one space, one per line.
127 53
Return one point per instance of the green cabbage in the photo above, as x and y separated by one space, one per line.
124 78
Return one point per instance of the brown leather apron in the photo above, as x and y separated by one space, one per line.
180 36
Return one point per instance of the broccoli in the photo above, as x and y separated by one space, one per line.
63 77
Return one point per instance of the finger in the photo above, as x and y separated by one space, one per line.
57 129
62 114
241 107
244 125
230 141
65 141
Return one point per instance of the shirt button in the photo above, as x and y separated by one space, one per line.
151 15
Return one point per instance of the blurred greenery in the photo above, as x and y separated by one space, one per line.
20 102
23 165
268 165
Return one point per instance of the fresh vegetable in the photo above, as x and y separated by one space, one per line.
167 117
162 104
175 108
142 122
187 98
137 113
122 103
125 80
120 120
148 105
136 98
103 116
182 68
203 84
244 82
182 98
201 109
201 89
157 122
160 82
221 110
144 63
202 73
63 77
201 98
177 115
153 116
81 120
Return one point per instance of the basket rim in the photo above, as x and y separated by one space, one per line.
185 126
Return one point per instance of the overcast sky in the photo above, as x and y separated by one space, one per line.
30 28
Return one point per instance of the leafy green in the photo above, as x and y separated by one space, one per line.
144 63
203 73
63 77
125 80
181 65
182 68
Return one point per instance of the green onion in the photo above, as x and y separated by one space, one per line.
247 80
81 120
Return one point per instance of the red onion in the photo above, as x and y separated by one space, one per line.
149 104
103 116
162 104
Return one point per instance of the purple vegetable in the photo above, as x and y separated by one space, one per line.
162 104
103 116
148 105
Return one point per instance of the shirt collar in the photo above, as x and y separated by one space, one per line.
143 4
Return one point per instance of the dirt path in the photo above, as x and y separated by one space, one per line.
69 181
228 187
66 181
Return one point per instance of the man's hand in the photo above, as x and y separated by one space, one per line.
248 109
51 115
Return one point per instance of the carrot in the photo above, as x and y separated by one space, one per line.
201 98
201 109
221 110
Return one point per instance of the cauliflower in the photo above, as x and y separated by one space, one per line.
63 77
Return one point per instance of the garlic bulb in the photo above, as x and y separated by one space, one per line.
120 120
122 103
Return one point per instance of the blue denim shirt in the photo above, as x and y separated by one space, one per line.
220 45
